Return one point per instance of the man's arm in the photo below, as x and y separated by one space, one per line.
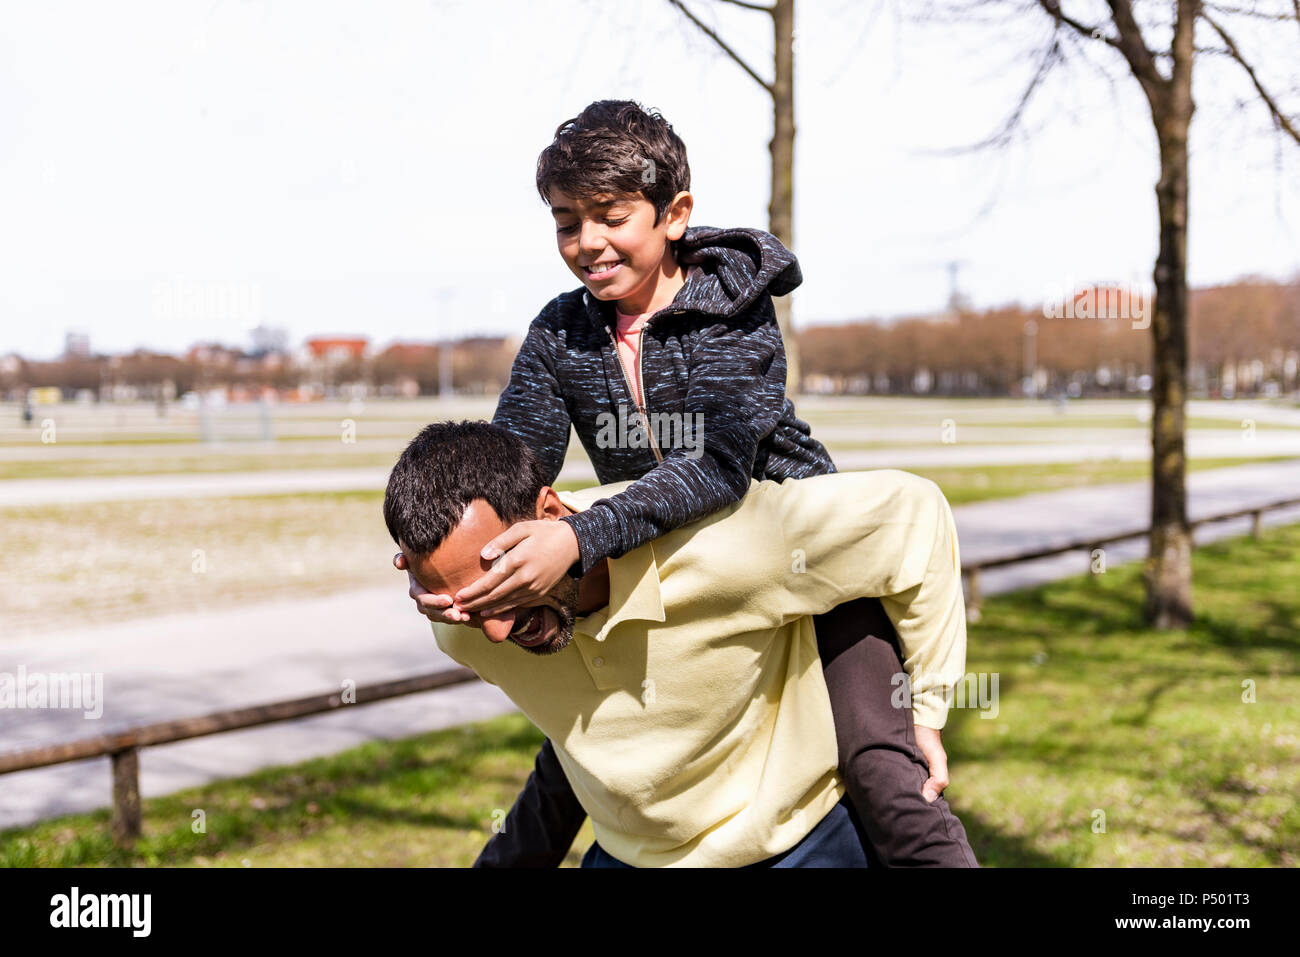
886 534
541 826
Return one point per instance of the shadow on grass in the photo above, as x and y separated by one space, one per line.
1274 847
995 849
1278 631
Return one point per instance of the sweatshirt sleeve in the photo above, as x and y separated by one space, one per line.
532 405
733 402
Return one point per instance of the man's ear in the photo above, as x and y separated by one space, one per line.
679 215
549 506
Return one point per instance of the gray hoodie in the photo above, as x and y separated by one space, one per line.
712 368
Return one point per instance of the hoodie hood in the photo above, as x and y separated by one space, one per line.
736 267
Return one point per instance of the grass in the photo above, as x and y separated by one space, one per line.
1096 713
189 463
113 561
110 561
1102 716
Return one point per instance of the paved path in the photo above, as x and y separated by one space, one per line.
182 665
1130 448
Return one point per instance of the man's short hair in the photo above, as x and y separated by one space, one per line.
447 466
616 146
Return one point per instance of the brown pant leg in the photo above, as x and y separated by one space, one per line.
882 768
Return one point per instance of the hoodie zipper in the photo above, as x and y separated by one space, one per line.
640 390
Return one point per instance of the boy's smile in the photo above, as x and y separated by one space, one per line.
612 244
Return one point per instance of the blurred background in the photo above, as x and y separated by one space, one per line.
250 247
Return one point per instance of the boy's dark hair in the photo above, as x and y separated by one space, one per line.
447 466
616 146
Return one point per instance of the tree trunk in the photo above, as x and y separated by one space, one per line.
780 210
1168 569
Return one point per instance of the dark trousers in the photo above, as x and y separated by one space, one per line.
882 768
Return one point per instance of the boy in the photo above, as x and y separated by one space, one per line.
669 365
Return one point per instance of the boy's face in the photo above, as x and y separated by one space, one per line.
612 243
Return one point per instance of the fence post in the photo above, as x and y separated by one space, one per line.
1254 523
126 797
973 599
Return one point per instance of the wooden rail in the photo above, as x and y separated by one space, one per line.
971 570
123 747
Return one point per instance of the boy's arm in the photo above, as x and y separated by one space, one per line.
531 405
732 404
541 826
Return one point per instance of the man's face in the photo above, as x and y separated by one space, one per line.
612 243
542 629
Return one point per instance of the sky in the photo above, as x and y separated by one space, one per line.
176 171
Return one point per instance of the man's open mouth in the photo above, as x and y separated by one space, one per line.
535 626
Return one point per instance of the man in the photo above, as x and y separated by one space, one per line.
680 683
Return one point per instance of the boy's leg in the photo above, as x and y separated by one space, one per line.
882 767
542 824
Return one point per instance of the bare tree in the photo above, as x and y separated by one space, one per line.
780 207
1188 32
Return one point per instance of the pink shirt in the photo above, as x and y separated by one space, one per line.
627 337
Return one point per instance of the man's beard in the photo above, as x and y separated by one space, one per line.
563 602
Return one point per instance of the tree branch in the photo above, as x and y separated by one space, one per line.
1134 48
1053 8
759 6
709 32
1279 117
1051 55
1257 14
1183 46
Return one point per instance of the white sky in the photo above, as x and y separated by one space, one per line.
356 164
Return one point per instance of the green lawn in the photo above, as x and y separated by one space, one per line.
1096 716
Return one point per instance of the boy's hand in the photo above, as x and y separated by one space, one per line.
431 606
530 557
927 739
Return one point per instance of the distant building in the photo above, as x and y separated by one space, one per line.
332 349
213 354
268 339
76 345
